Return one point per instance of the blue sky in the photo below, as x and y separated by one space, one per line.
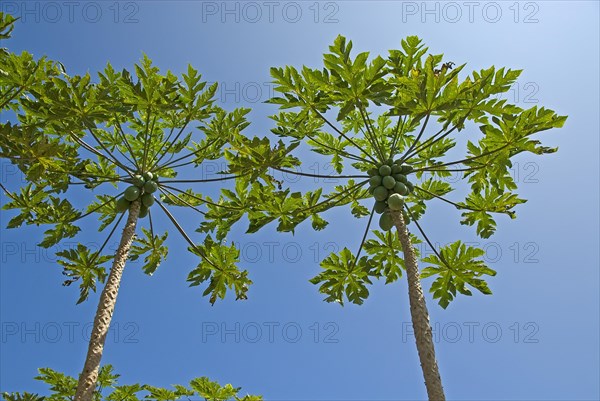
536 338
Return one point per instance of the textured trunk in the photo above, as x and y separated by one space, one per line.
419 315
106 307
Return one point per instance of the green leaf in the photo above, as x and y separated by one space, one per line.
85 265
225 212
60 213
22 397
27 201
343 276
99 172
63 387
218 267
105 206
252 158
157 393
211 390
153 247
482 205
6 25
460 265
125 393
384 255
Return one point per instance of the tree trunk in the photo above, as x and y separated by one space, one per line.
106 306
419 314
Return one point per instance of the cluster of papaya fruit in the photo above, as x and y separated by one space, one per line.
144 185
389 185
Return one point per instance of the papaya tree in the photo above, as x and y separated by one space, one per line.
63 388
120 144
389 126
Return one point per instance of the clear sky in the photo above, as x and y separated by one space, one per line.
536 338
